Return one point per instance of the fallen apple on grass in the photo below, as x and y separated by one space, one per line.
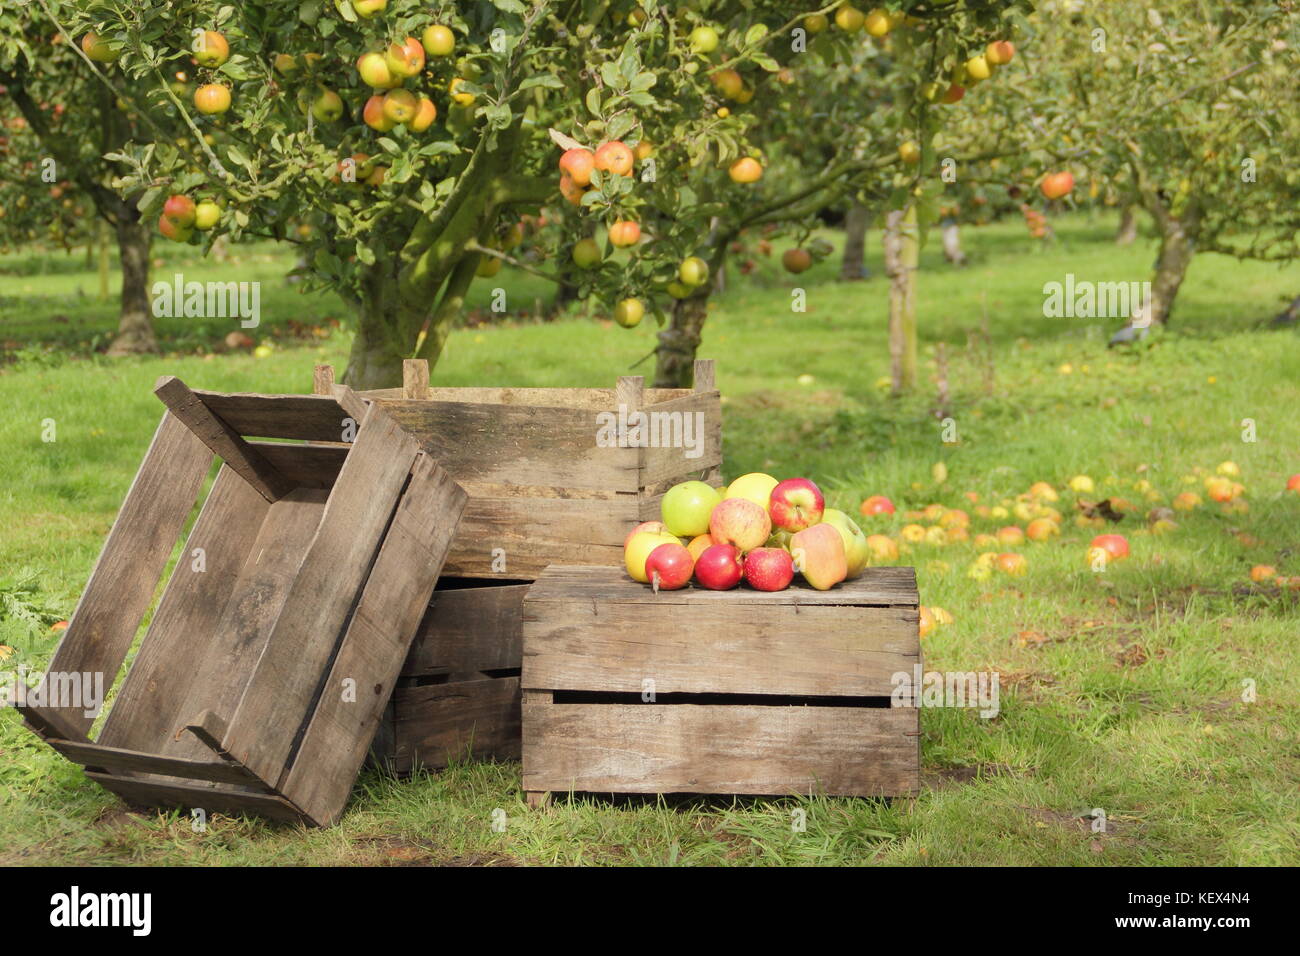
876 505
1115 545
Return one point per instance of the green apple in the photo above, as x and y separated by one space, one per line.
686 508
856 550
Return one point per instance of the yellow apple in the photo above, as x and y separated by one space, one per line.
756 486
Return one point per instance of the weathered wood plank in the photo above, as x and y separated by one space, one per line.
322 380
143 792
598 399
686 436
415 378
704 376
281 691
223 440
306 417
97 756
122 585
717 648
469 629
513 444
687 748
307 466
885 586
227 653
376 642
437 724
150 706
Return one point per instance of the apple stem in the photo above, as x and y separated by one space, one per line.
654 581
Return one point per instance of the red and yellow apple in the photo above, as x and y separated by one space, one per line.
876 505
740 523
769 569
669 567
857 552
638 549
1115 545
819 556
795 504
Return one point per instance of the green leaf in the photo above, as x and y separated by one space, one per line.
593 101
609 72
755 33
620 126
766 62
548 80
510 6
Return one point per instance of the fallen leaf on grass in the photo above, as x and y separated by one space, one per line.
1031 639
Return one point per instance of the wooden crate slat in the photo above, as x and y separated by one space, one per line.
533 531
469 629
141 791
304 638
308 466
122 585
227 657
596 399
439 723
307 417
150 706
887 586
687 748
100 757
377 640
518 444
223 440
715 648
668 459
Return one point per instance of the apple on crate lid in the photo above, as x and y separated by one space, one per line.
795 504
686 507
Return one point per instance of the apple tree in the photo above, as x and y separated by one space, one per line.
59 124
1185 106
416 137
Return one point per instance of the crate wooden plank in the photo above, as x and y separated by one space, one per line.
306 417
223 440
469 629
376 642
597 399
687 748
518 444
144 792
280 693
535 532
100 757
231 649
439 723
149 707
308 466
122 585
715 648
887 586
687 426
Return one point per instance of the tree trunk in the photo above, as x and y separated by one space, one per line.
901 258
135 322
101 240
1177 246
675 356
1128 229
952 242
854 264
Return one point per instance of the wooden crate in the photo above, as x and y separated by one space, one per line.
542 489
271 655
458 694
753 692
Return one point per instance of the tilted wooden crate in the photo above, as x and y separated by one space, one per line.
545 485
738 692
278 639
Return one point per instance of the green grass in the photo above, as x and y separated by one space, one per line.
1120 690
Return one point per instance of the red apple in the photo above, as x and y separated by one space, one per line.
1056 185
876 505
1116 545
1293 483
719 568
769 569
669 567
796 503
741 523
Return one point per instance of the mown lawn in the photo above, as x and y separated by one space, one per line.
1121 690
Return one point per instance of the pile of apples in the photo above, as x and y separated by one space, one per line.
758 530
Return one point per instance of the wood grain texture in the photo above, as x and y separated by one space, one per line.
717 648
437 724
306 417
705 374
469 629
151 704
215 798
281 693
686 748
518 444
224 441
415 378
599 399
376 642
322 380
122 585
307 466
886 587
691 425
114 759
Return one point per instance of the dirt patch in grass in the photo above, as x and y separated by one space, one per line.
949 778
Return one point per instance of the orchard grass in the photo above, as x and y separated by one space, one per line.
1120 690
